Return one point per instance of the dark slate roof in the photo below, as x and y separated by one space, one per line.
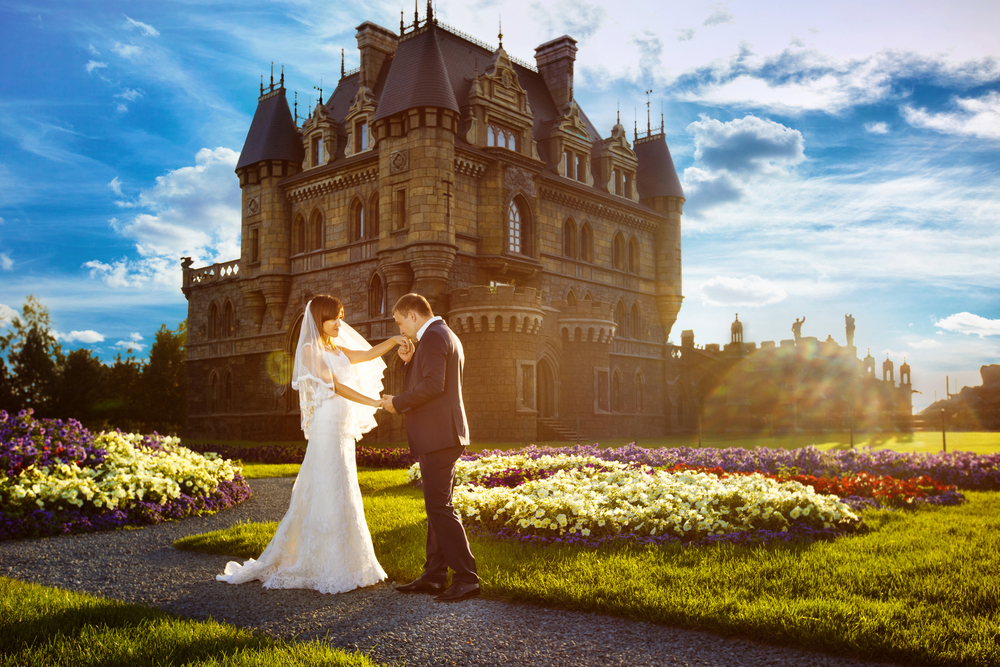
272 135
417 77
656 175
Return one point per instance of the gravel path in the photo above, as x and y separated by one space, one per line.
141 566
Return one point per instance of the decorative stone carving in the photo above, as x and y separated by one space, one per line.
253 206
518 179
399 161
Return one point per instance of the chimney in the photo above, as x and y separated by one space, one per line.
555 63
376 45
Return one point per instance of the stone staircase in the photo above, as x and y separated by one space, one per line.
553 429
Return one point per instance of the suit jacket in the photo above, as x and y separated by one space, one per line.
432 392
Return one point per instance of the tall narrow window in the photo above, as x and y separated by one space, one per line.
213 393
372 231
511 142
514 228
360 136
619 187
400 196
571 298
569 238
528 386
227 392
635 322
491 136
628 185
298 235
618 253
228 321
317 150
581 169
586 243
213 322
376 297
317 230
638 391
633 255
357 221
570 165
620 321
616 391
255 244
614 180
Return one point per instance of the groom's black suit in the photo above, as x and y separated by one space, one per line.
438 432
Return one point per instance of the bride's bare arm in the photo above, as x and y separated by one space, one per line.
357 356
352 395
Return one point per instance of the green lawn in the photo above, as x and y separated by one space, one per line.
921 588
43 627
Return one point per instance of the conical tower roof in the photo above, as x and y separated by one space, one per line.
656 175
417 77
272 135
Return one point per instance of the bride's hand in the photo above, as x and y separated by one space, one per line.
399 340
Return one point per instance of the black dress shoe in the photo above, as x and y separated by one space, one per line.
421 586
458 592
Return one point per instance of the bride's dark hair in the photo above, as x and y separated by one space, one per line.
325 307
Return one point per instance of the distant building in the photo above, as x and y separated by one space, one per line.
445 167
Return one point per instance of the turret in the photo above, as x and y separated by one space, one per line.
660 188
272 151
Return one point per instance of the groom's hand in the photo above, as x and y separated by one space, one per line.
387 403
406 350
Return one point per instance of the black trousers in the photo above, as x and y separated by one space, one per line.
447 545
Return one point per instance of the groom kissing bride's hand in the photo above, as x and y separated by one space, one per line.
438 433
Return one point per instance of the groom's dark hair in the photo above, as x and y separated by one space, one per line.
414 302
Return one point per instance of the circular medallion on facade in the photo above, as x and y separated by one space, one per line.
506 79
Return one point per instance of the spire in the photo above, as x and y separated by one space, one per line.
320 89
416 15
281 84
500 34
618 119
418 77
272 75
401 28
262 85
649 127
430 12
296 108
342 70
273 134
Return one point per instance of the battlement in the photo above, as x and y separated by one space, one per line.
587 321
504 308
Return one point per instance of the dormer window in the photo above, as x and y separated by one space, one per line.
628 185
581 168
501 137
317 150
361 136
569 164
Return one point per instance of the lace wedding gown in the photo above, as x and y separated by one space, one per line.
323 541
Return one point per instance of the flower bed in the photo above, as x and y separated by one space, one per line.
960 469
57 477
582 499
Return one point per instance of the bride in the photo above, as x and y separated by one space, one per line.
323 541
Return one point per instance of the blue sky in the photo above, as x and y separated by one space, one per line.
837 159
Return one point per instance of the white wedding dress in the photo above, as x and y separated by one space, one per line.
323 541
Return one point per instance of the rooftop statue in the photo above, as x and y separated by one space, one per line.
797 328
849 322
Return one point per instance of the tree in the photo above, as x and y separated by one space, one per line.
6 389
119 407
83 386
163 387
35 359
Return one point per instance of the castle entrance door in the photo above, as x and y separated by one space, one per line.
546 390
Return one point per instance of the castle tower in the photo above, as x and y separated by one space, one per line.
499 331
887 368
272 151
660 188
587 329
415 127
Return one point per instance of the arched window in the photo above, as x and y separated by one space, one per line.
316 231
618 252
227 392
213 322
518 227
298 235
621 321
504 138
617 384
213 392
635 323
638 390
229 321
586 243
633 255
569 238
376 297
571 298
372 231
357 221
587 297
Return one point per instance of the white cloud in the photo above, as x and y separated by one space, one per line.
192 211
92 50
720 16
975 117
7 315
147 30
121 108
746 144
6 263
116 186
967 323
796 41
128 51
132 344
926 344
130 94
685 34
877 128
87 336
92 65
746 291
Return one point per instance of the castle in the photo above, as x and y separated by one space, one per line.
445 167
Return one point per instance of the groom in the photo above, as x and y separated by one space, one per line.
438 433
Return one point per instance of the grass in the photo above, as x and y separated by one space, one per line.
920 588
261 470
42 627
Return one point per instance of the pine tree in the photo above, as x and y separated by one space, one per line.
163 387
